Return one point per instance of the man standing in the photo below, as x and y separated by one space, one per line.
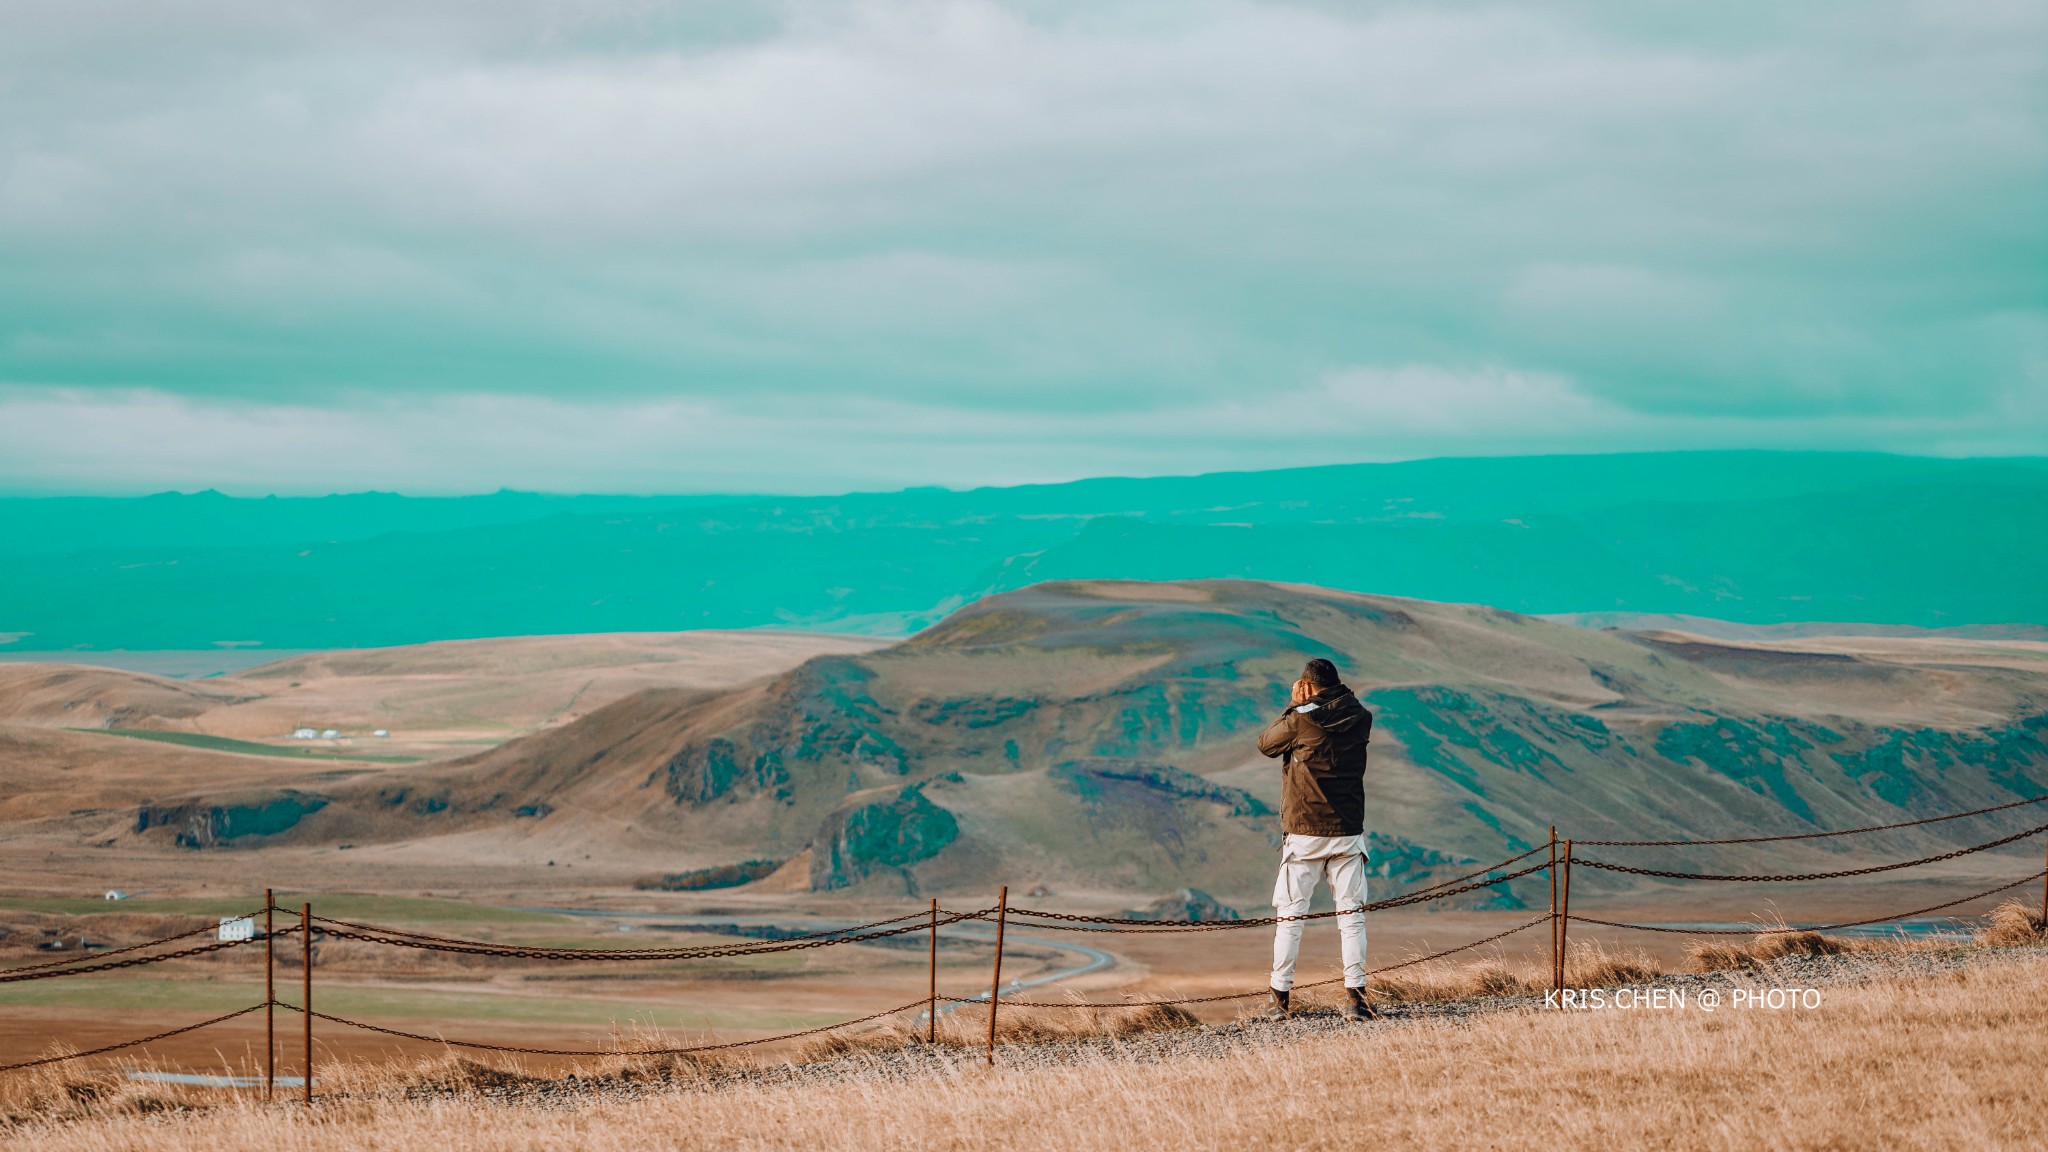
1321 740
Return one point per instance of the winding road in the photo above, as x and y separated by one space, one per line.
1096 960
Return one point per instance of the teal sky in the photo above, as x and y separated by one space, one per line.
441 247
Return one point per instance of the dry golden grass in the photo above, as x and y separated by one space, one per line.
1587 965
968 1028
1930 1062
2012 924
1764 947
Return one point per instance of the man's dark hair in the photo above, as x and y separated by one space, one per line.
1321 673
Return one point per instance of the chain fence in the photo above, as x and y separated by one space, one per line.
402 938
1801 877
1810 835
1410 963
1763 928
62 1057
67 961
933 919
134 961
609 1052
1057 921
856 935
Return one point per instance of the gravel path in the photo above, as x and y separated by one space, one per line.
920 1061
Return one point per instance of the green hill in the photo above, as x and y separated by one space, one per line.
1097 735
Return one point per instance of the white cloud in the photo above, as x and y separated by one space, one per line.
1063 234
1426 402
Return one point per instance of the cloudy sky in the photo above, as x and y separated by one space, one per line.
448 246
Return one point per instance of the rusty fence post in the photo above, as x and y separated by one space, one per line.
1556 982
995 982
931 1012
269 995
306 990
1564 921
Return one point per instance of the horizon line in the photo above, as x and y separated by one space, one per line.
743 494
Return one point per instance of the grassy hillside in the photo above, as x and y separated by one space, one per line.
1752 537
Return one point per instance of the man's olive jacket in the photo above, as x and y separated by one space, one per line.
1322 778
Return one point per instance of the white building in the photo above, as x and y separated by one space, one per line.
331 734
305 734
380 733
116 894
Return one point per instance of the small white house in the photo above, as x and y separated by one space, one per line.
331 734
381 733
305 733
116 894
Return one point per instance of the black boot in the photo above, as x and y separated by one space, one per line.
1356 1007
1277 1008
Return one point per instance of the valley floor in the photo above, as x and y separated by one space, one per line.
1922 1049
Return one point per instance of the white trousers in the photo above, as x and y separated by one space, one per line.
1305 861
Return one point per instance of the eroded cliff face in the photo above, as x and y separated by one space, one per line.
878 829
1905 765
822 714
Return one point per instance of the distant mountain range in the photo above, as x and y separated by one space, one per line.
1752 538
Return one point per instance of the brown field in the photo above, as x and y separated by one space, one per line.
446 698
1942 1060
